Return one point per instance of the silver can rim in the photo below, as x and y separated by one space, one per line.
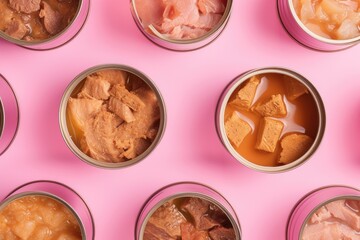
63 125
30 44
233 219
225 98
12 198
318 37
217 30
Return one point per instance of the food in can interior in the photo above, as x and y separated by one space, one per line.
332 19
36 20
38 217
338 219
179 20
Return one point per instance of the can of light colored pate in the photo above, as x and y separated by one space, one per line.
54 197
164 41
64 36
314 208
9 114
282 76
131 75
298 31
178 192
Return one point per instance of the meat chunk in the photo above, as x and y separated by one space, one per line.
322 214
95 88
327 230
52 18
198 209
272 107
188 232
153 232
16 29
294 88
269 134
221 233
339 210
150 11
168 218
132 148
348 30
25 6
246 94
113 76
293 146
128 98
120 109
211 6
236 129
80 110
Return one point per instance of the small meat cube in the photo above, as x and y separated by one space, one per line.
52 18
269 134
189 232
211 6
16 29
246 94
128 98
339 210
154 233
293 147
272 107
236 129
294 88
81 110
168 218
120 109
95 88
221 233
25 6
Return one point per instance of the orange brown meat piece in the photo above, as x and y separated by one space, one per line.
269 134
245 96
236 129
294 88
52 18
294 146
25 6
272 107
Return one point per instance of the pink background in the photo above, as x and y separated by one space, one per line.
191 84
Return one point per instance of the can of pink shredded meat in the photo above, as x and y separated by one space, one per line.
112 116
9 114
329 213
265 116
187 209
308 38
48 205
40 25
182 26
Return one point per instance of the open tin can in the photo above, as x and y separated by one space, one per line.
66 124
297 30
185 190
9 115
60 194
59 39
184 44
286 75
313 207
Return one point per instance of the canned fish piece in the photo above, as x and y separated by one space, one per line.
47 209
112 116
320 32
187 210
270 119
327 213
9 115
181 25
42 24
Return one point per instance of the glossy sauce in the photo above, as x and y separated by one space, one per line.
302 117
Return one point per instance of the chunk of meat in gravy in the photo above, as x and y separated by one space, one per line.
189 232
339 210
132 148
82 109
269 134
120 109
168 218
113 76
153 232
246 94
294 146
99 133
16 29
198 209
95 88
52 18
221 233
294 88
128 98
236 129
272 107
25 6
211 6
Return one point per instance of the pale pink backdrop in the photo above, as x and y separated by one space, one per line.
191 84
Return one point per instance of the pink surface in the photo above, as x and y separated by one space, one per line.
191 84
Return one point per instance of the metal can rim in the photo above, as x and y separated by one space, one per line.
63 125
228 92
